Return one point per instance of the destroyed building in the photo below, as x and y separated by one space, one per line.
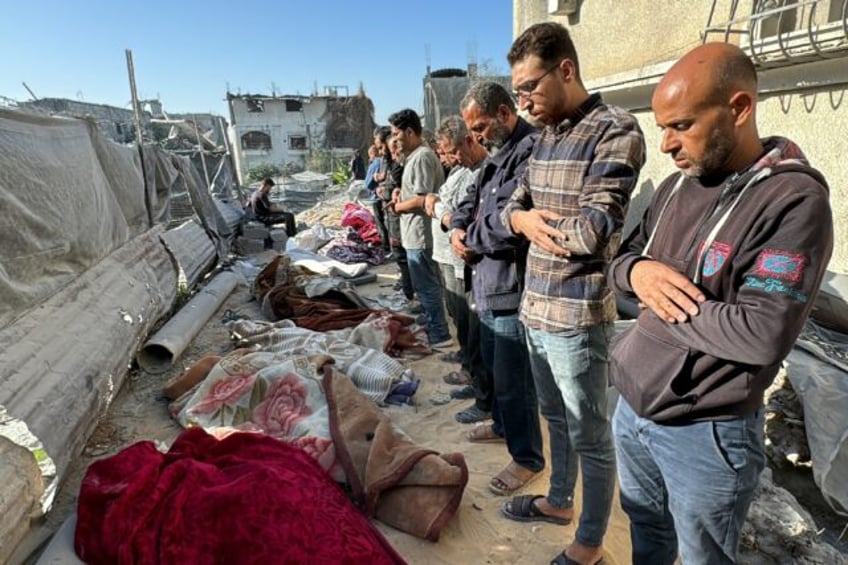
444 89
283 130
171 131
115 123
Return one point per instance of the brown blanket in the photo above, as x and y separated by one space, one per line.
279 289
389 475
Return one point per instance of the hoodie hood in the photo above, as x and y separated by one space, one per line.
784 155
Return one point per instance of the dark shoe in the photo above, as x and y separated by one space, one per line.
456 378
523 509
441 344
472 415
563 559
462 393
452 357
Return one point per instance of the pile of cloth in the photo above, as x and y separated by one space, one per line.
361 219
358 242
311 301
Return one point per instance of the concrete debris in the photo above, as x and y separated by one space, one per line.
778 527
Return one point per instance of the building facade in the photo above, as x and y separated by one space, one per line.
800 48
284 130
444 89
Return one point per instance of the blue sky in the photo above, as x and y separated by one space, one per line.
187 52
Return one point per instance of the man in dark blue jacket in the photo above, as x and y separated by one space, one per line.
496 259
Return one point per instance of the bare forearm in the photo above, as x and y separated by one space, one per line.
414 204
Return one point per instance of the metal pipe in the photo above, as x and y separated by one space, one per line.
166 345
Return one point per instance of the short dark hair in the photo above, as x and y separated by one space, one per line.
383 133
406 118
489 96
268 182
549 41
735 72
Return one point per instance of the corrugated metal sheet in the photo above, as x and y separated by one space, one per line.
64 361
232 212
192 249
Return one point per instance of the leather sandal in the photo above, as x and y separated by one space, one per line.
511 478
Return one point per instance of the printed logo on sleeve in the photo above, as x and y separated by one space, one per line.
779 264
779 271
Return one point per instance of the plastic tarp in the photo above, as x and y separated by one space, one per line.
818 370
84 277
69 198
191 197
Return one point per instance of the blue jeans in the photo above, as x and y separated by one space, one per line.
687 484
571 373
515 410
428 286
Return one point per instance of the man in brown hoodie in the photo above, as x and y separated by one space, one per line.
726 263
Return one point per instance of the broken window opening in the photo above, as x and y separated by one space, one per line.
297 142
256 140
294 105
255 105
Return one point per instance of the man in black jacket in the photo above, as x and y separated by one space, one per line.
496 258
726 263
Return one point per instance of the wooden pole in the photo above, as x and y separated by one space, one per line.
139 135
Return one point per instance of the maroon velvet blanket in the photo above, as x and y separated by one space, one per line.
247 498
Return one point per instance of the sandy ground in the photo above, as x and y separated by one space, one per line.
477 534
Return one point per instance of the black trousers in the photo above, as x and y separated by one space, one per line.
280 218
382 228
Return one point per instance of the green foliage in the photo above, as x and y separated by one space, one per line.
262 171
342 174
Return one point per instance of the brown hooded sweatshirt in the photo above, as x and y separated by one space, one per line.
757 243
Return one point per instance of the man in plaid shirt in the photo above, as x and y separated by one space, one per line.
571 205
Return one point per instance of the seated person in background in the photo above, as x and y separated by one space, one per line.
266 212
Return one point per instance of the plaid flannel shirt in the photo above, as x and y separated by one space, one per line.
583 169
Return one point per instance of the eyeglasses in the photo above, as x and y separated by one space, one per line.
528 88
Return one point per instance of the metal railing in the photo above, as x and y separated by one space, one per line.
806 40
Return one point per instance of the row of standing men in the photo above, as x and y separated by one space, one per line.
521 241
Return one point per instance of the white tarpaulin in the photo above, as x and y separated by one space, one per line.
67 202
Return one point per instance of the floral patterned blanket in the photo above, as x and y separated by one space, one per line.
275 394
292 391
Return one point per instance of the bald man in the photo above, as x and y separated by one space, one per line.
725 263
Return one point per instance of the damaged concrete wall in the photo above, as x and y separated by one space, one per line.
116 123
